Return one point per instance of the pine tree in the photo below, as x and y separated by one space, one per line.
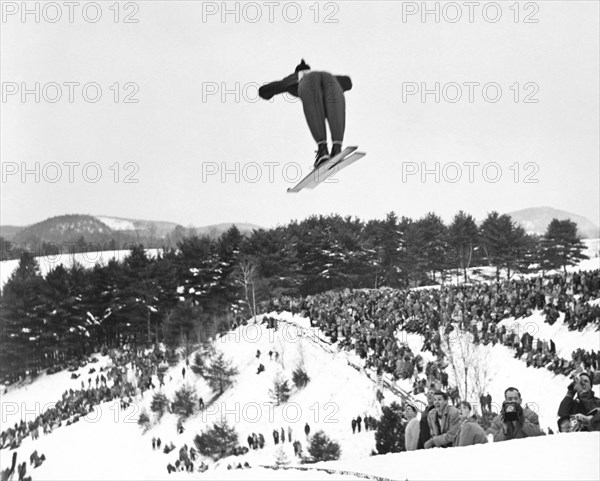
185 402
160 404
281 458
463 238
384 245
220 372
562 246
427 240
22 320
503 242
198 365
217 442
179 326
322 448
144 420
389 437
300 377
280 392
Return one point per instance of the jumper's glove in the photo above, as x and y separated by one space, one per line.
265 93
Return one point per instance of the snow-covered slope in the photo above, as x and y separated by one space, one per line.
108 444
86 259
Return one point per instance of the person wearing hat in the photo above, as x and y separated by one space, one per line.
411 432
586 407
322 96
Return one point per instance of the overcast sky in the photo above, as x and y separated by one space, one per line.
166 96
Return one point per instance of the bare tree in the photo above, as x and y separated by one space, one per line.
245 276
468 362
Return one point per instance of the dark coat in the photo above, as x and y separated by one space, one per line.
424 432
584 404
290 85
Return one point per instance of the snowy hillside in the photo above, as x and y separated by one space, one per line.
336 393
86 259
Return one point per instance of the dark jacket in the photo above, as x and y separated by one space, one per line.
424 432
290 85
584 404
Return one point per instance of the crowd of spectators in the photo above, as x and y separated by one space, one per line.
107 385
367 320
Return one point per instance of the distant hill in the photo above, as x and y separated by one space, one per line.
102 229
62 229
9 231
535 220
119 223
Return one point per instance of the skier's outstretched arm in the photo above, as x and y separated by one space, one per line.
274 88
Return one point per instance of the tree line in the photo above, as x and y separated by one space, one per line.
186 295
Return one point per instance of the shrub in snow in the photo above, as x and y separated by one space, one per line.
389 437
198 365
281 458
172 357
280 393
160 404
322 448
217 442
185 402
144 420
300 378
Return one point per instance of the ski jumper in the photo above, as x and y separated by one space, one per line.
322 96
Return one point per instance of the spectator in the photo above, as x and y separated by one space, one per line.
444 422
470 432
411 433
586 408
514 422
424 432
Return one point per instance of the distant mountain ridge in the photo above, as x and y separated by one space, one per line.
535 220
102 229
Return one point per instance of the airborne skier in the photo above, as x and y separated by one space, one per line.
322 96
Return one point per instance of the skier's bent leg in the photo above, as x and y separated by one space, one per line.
335 109
311 95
